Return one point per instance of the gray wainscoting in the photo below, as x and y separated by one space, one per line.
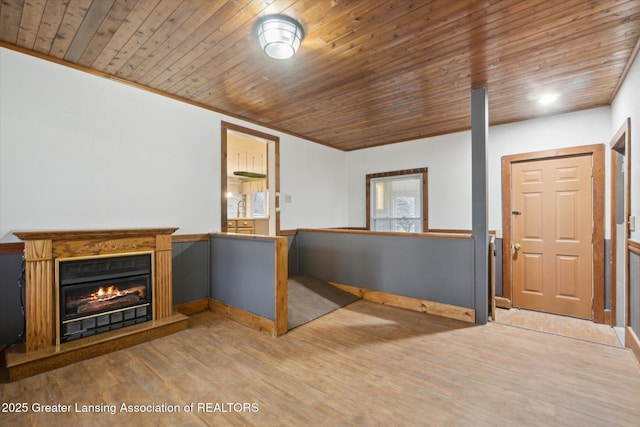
11 318
498 272
190 271
634 292
434 269
243 273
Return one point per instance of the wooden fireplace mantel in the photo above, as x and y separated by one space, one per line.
42 248
57 235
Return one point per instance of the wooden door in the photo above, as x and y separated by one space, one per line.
552 259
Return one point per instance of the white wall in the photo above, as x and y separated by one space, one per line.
448 158
313 176
80 151
627 104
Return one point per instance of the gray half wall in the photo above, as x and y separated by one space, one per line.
634 292
190 271
243 273
433 269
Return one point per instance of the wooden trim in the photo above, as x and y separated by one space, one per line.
449 231
193 307
58 235
11 248
223 178
21 364
503 302
625 71
414 304
224 127
506 229
597 153
39 302
634 246
607 317
598 235
351 228
425 192
621 143
189 238
244 317
554 153
277 191
453 231
281 286
429 235
631 341
245 236
288 232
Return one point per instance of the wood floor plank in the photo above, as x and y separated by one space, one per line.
364 364
561 325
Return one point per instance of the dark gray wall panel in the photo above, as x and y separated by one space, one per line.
433 269
190 271
292 242
11 319
634 292
498 272
243 273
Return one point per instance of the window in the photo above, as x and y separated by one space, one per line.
260 204
397 201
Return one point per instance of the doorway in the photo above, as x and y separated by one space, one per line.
620 213
250 180
553 231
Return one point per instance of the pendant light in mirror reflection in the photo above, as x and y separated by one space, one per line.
279 35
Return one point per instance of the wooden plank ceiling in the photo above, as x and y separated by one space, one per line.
369 72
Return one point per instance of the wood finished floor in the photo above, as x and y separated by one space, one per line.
364 364
561 325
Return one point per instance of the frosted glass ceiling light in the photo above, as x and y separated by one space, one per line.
279 35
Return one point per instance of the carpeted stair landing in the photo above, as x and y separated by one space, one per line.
310 298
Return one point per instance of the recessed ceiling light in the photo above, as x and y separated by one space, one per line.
548 98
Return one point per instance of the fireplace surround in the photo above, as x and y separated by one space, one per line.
132 318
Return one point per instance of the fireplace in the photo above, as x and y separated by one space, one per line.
65 310
103 293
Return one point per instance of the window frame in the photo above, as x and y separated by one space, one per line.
425 192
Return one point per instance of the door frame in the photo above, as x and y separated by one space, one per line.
226 126
596 151
621 141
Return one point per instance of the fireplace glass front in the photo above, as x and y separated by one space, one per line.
100 294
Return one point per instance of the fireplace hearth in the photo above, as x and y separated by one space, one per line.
100 294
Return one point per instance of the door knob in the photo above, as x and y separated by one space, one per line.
516 246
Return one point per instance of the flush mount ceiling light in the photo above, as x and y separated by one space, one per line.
279 35
548 98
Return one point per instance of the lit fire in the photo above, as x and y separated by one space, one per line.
109 292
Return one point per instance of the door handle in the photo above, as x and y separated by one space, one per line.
516 246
